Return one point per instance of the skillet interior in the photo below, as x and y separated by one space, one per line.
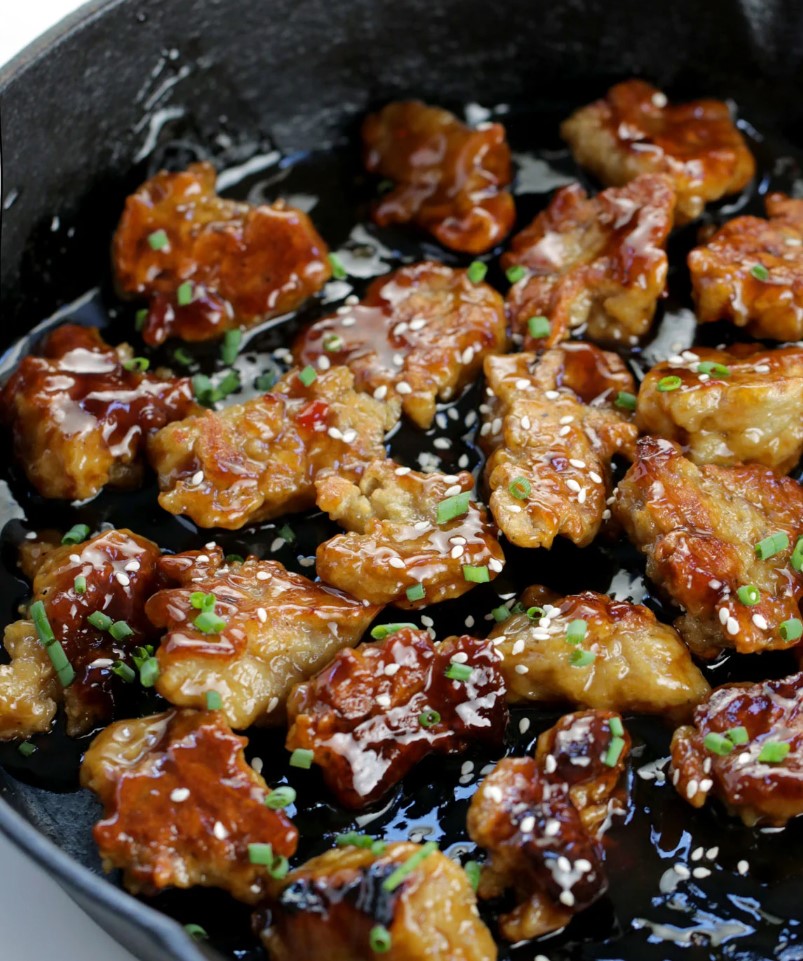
297 75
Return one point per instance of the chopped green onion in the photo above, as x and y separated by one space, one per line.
476 575
302 757
266 381
332 342
710 367
515 274
287 534
61 665
576 630
229 383
416 592
473 870
279 868
452 507
339 272
158 240
230 346
204 390
429 718
718 743
581 658
625 400
120 630
149 672
261 854
79 584
796 560
280 797
395 879
209 623
307 375
616 726
535 613
76 534
772 545
773 752
760 272
737 735
234 558
381 631
196 931
214 702
122 670
140 318
538 327
26 749
792 629
182 357
141 654
520 488
137 363
100 620
614 752
185 294
749 595
669 383
356 840
380 939
42 624
202 602
459 672
500 613
476 271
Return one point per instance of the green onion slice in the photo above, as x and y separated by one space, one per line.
302 758
209 623
136 363
429 718
100 620
339 271
157 240
280 797
381 631
669 383
185 294
760 272
749 595
76 534
576 630
307 375
120 630
792 629
718 743
538 327
459 672
476 271
452 507
737 735
214 702
416 592
614 752
515 274
616 726
770 546
79 584
773 752
230 346
398 876
581 658
473 871
476 575
380 939
710 367
625 400
196 931
520 488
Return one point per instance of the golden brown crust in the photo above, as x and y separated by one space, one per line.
244 263
182 805
596 266
449 179
257 460
632 130
29 691
419 334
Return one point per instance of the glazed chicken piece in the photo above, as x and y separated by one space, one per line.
593 651
269 628
336 906
552 425
182 807
109 576
419 334
634 130
449 179
541 819
745 748
373 713
208 264
700 528
396 540
751 272
594 265
257 460
743 405
80 413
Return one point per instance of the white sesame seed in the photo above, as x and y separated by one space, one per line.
324 363
691 788
551 828
743 867
132 566
595 477
179 794
706 784
276 544
563 432
263 575
122 579
732 626
567 898
682 871
396 562
442 443
273 704
575 462
712 853
760 621
524 725
573 485
219 830
381 392
401 471
197 478
257 764
552 394
526 424
724 614
495 565
262 614
383 700
335 433
391 669
697 854
457 551
527 825
701 872
522 669
459 658
550 764
403 387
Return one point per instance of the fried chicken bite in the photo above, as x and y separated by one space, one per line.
373 713
449 179
633 130
552 425
593 651
248 630
746 749
541 818
182 807
208 264
105 580
700 528
337 906
751 272
743 405
419 334
406 528
81 412
259 459
594 265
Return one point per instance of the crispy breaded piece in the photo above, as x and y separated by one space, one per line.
181 805
449 180
279 628
745 748
633 130
396 541
699 527
419 334
257 460
120 573
751 272
743 405
541 818
551 428
329 906
208 264
638 663
595 265
368 716
80 419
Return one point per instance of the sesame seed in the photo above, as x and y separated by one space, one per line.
572 484
550 764
706 784
442 443
122 578
697 854
732 626
526 423
568 419
197 478
273 704
495 565
524 725
682 871
551 828
334 433
459 658
324 363
712 853
262 614
691 788
263 576
381 392
179 794
743 867
396 562
383 700
567 898
595 477
132 566
724 614
760 621
575 462
403 387
563 432
391 669
523 384
219 830
522 669
457 551
551 395
701 872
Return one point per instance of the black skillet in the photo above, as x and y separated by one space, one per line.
124 87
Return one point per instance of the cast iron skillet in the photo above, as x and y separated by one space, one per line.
77 112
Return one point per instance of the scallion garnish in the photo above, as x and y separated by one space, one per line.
381 631
380 939
718 743
672 382
287 534
149 672
280 797
535 613
500 613
332 342
26 749
516 273
760 272
158 240
76 534
625 400
214 702
770 546
339 272
476 574
581 658
230 346
538 327
415 593
737 735
459 672
356 840
473 871
279 868
100 620
182 357
185 294
616 727
307 375
79 584
302 757
614 752
140 318
208 622
711 367
429 718
41 623
796 560
266 381
792 629
123 671
229 383
120 630
137 363
261 854
403 870
196 931
476 271
773 752
576 630
520 488
452 507
749 595
202 601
